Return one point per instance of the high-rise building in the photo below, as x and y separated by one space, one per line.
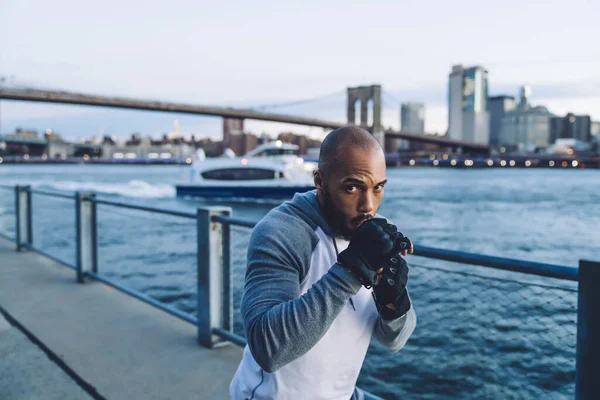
525 128
468 117
596 137
595 129
571 127
498 106
412 120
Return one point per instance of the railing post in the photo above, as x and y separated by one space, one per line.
227 280
213 304
587 384
24 234
85 217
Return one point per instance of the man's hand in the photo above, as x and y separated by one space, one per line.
371 246
390 293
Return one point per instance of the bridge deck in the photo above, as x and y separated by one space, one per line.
62 97
119 346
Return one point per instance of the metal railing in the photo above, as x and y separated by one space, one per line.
214 280
24 221
496 295
7 192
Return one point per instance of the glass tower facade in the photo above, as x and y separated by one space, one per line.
468 117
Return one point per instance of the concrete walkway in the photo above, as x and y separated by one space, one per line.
27 373
114 346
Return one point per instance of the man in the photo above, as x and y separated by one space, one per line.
314 264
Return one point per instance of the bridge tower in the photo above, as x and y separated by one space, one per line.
231 126
364 95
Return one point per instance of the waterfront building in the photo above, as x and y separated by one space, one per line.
468 117
498 106
412 120
138 147
571 127
242 142
525 128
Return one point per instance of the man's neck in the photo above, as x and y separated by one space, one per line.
327 217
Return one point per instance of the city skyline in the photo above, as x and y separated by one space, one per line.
158 51
72 122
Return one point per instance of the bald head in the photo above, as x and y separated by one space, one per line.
350 178
339 141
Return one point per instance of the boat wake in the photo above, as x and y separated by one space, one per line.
133 188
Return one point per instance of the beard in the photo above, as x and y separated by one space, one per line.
336 217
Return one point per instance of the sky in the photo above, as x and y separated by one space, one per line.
252 53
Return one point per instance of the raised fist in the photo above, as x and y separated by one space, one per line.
371 246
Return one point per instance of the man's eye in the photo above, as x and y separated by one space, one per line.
378 188
352 188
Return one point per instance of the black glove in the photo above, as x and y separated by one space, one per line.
391 289
372 244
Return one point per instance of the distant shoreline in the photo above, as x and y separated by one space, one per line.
561 162
19 160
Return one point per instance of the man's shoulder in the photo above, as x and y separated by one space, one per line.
281 223
280 236
297 214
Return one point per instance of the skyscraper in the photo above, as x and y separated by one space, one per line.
412 118
498 106
525 128
571 127
468 117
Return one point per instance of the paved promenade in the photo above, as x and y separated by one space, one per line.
63 340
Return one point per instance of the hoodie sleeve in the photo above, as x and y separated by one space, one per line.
393 334
281 325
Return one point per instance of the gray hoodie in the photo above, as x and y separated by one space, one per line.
308 321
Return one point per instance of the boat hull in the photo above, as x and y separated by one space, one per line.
254 192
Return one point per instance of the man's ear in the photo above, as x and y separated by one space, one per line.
318 178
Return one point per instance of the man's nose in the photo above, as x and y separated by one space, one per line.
366 203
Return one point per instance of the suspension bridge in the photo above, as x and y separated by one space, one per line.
367 100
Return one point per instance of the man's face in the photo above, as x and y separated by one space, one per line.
352 190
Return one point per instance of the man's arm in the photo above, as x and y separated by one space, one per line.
280 324
393 334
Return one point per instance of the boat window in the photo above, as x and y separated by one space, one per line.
276 152
280 152
240 174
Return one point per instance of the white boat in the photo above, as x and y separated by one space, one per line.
273 170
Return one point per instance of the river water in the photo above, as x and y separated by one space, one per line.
481 333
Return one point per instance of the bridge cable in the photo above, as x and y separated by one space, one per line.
297 102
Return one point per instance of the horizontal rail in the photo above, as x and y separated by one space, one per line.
5 236
51 194
7 187
234 221
50 256
146 299
143 208
232 337
509 264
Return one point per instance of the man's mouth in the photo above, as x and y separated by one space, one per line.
358 222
